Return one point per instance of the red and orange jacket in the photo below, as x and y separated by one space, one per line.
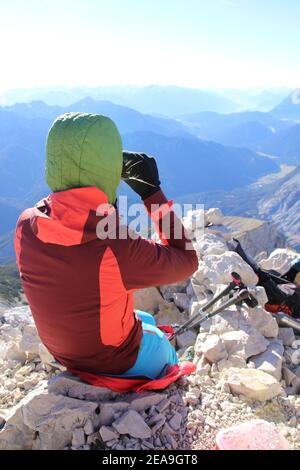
80 288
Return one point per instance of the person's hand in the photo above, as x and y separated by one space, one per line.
140 173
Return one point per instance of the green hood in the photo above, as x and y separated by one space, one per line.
84 150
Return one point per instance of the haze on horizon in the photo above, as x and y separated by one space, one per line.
241 44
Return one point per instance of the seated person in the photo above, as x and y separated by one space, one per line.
80 286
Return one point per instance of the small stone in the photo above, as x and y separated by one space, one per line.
270 361
293 421
287 335
288 376
157 442
2 422
167 430
186 339
295 357
175 421
172 442
162 405
260 319
214 216
214 372
203 371
148 299
158 425
192 396
112 443
108 434
181 300
109 409
210 422
78 439
93 438
252 383
169 314
247 342
88 427
214 349
143 401
148 444
133 424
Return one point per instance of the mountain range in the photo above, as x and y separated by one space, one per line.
268 133
207 156
154 99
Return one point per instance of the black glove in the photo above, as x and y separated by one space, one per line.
140 173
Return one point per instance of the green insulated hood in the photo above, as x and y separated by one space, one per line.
84 150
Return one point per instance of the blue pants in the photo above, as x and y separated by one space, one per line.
156 352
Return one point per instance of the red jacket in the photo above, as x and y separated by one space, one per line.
80 288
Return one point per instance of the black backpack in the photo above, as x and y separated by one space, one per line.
283 295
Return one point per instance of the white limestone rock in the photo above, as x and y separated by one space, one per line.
228 320
295 357
270 361
260 295
214 349
55 417
201 338
30 341
78 438
88 427
12 351
203 370
280 260
218 268
210 244
169 314
244 343
18 316
262 321
252 383
108 433
148 300
233 361
214 216
45 356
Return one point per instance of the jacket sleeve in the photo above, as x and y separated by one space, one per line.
144 263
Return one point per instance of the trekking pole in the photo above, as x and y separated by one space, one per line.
239 298
285 320
236 282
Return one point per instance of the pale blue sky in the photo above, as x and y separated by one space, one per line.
195 43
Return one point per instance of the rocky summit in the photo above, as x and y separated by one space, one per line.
247 367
